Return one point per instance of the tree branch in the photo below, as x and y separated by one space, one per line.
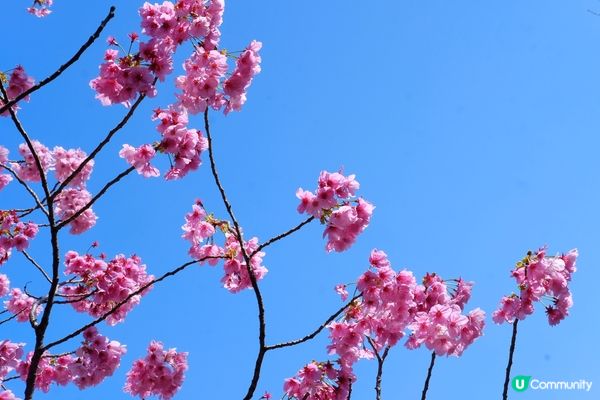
38 266
27 187
101 145
62 68
428 378
511 351
282 236
102 191
316 331
124 301
262 349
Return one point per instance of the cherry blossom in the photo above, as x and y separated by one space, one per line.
40 8
14 234
160 373
331 203
18 83
106 284
539 277
70 201
21 305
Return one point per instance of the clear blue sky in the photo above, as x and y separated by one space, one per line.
472 126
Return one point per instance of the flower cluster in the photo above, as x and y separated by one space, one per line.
439 322
318 381
539 276
204 84
10 356
5 179
200 226
21 305
168 25
160 373
28 169
389 303
40 8
70 202
14 234
4 285
51 369
205 70
331 203
96 359
104 285
18 83
64 162
140 158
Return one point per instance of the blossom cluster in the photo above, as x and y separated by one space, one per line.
332 203
5 179
104 285
10 357
22 305
439 322
14 234
390 302
539 277
317 380
63 162
200 226
169 25
18 83
40 8
160 373
96 359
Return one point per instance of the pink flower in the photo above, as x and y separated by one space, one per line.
4 285
10 356
140 159
341 290
539 276
111 284
67 161
247 66
40 8
69 202
14 234
21 305
160 373
28 170
18 83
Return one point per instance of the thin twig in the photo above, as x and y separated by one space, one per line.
28 188
102 191
101 145
124 301
380 360
36 265
282 236
511 351
316 331
262 348
428 378
63 67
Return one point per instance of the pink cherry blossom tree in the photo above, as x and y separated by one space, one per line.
386 307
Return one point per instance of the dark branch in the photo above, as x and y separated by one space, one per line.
316 331
95 198
428 378
62 68
283 235
28 188
101 145
511 351
123 302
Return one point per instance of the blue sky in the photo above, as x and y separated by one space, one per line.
471 126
